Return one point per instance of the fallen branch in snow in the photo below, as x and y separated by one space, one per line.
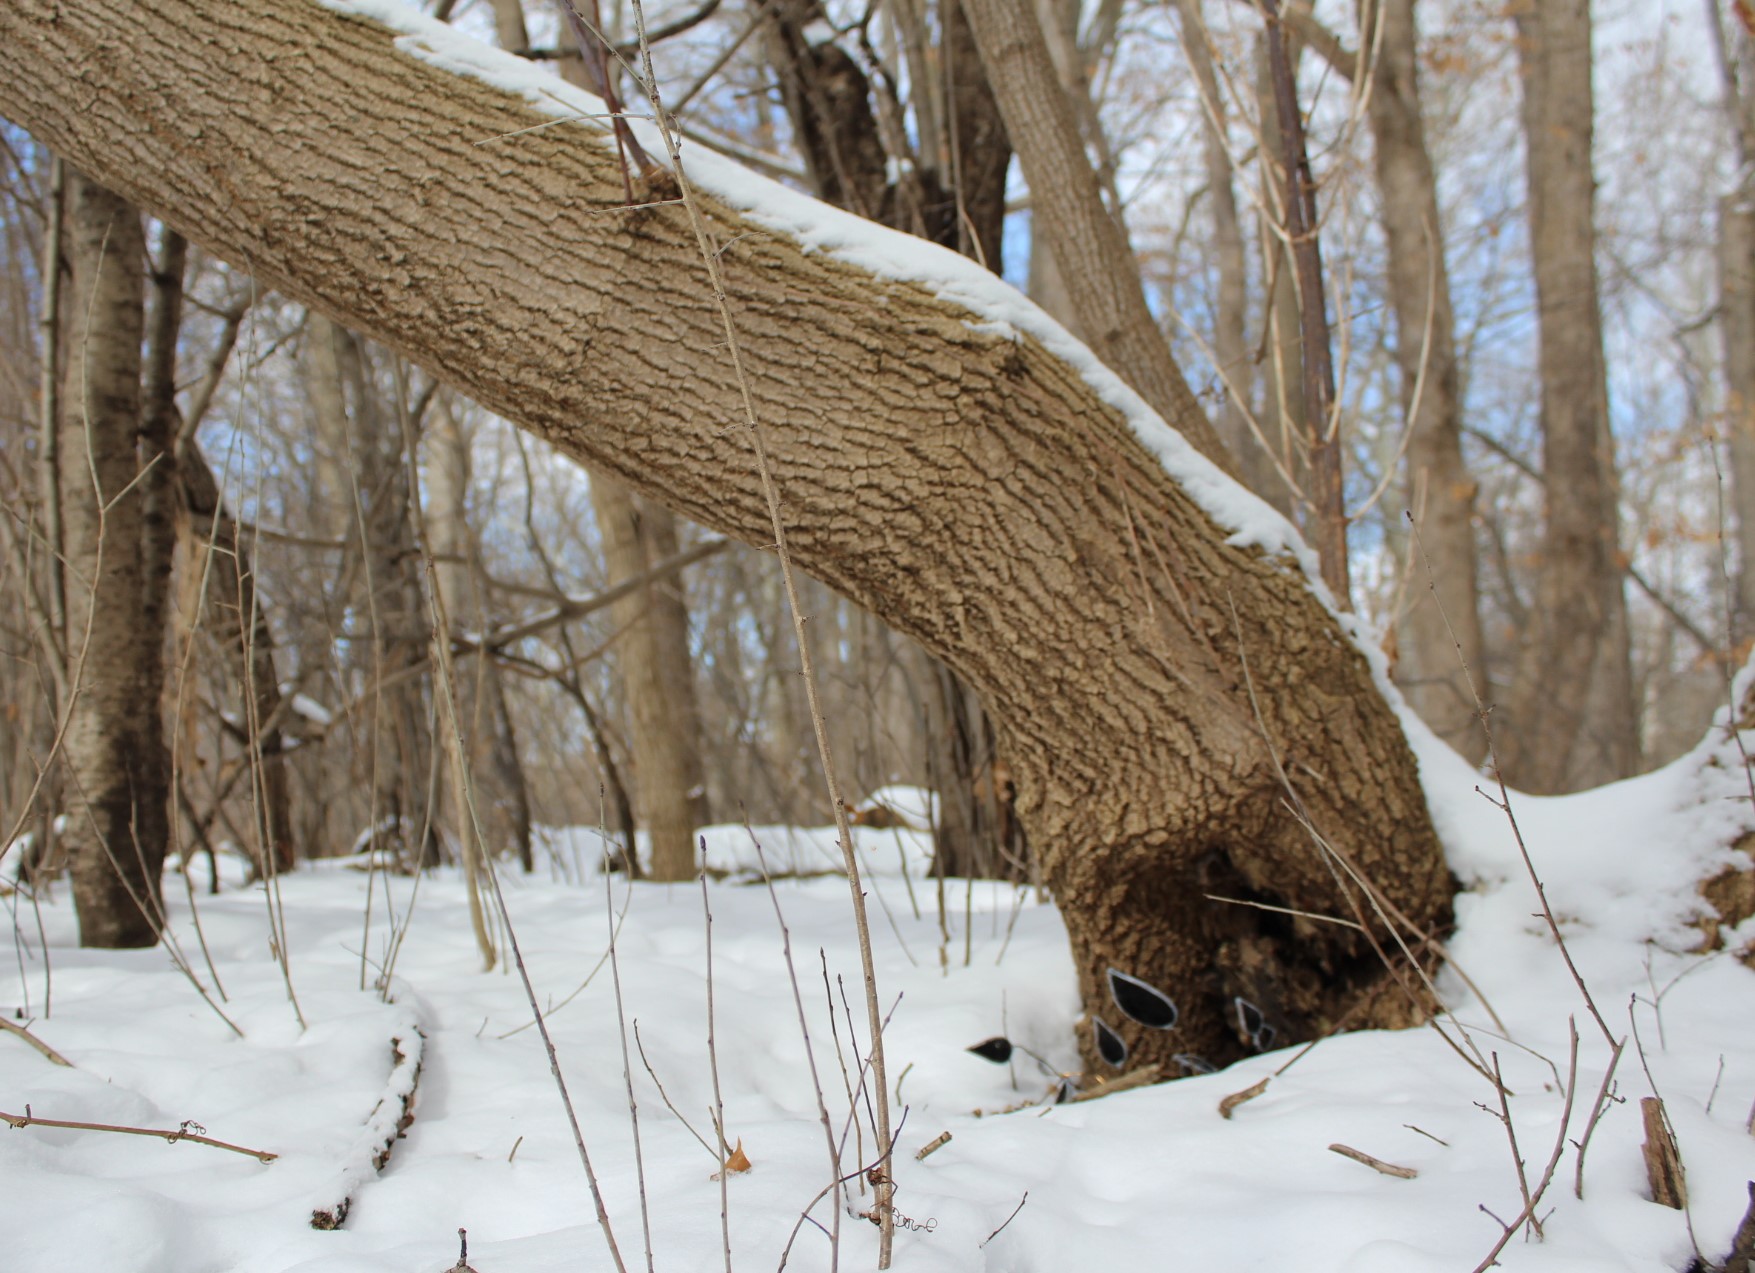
1229 1105
1145 1076
1376 1164
389 1118
185 1132
38 1044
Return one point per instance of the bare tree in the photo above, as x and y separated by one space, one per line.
1162 691
1736 272
1573 721
117 497
1441 633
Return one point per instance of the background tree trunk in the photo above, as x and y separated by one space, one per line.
1442 629
670 793
1572 721
963 484
384 611
116 481
1096 266
1736 242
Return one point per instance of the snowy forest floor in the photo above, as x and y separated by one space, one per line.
1146 1179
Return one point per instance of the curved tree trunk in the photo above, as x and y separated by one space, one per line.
962 482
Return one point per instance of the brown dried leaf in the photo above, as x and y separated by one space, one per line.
738 1163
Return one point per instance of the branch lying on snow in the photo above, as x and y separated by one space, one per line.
389 1118
189 1131
1376 1164
38 1044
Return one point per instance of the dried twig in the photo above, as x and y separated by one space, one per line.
882 1178
932 1146
1376 1164
13 1028
1013 1216
188 1131
809 1052
1229 1105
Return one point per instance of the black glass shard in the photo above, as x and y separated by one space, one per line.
998 1049
1249 1017
1109 1044
1263 1039
1192 1064
1141 1001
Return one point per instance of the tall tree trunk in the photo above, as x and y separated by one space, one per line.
388 624
490 750
1573 721
1285 421
659 678
1230 343
215 547
1157 717
116 483
670 790
1096 265
1736 311
1442 630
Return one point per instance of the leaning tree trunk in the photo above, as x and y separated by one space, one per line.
1161 685
117 481
1572 722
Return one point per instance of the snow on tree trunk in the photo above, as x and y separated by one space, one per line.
947 459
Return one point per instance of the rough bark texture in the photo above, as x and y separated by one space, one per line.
951 192
1096 266
116 484
1572 721
1442 630
967 486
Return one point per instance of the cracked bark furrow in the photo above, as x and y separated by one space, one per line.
971 490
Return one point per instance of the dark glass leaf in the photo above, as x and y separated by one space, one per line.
1192 1064
998 1049
1141 1001
1263 1039
1249 1017
1109 1044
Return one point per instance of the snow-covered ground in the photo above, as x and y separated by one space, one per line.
1147 1179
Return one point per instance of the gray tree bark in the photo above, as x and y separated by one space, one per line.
1572 720
1441 631
387 617
117 492
658 677
1736 313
